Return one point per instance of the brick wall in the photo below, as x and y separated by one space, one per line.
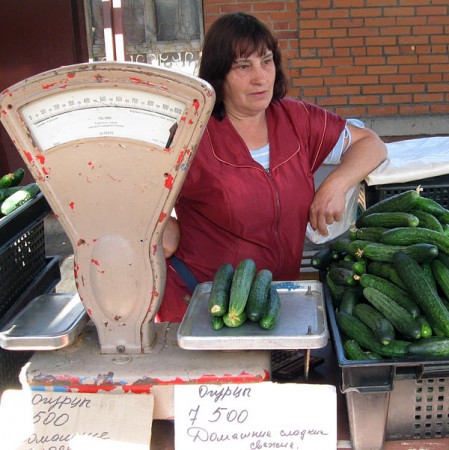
360 58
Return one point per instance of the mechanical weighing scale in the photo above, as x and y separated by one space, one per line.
109 145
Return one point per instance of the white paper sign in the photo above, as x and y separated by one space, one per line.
255 416
70 421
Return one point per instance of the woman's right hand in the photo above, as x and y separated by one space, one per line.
171 237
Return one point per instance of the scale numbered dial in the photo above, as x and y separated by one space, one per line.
105 112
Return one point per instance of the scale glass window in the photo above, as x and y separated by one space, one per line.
164 33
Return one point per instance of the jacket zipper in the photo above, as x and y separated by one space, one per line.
278 214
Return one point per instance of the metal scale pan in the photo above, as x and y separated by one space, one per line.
301 324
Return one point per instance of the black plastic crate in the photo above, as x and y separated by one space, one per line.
11 362
436 188
22 250
391 399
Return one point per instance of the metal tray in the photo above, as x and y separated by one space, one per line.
301 325
48 322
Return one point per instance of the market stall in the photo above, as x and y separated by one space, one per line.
107 142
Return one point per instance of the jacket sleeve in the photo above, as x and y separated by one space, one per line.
325 129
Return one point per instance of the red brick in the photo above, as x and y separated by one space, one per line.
414 109
409 88
348 42
383 110
369 61
364 100
351 111
377 89
397 98
397 12
345 90
361 79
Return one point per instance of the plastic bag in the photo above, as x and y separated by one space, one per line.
338 228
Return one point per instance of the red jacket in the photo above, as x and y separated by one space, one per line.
230 208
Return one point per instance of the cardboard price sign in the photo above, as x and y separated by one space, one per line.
256 416
70 421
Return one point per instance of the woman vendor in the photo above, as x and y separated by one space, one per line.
250 192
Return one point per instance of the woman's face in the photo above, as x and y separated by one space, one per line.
248 86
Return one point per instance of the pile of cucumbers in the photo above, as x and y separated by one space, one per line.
12 195
389 279
243 294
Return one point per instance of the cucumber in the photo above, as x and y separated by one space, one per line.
12 179
241 285
444 258
407 236
426 329
355 329
234 321
366 233
394 292
19 198
359 267
421 252
217 322
7 192
220 291
385 270
258 295
441 274
432 346
343 277
401 319
348 301
272 309
428 221
430 206
354 352
336 291
422 291
322 259
344 245
390 220
402 202
381 327
428 273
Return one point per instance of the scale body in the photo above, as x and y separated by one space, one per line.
109 145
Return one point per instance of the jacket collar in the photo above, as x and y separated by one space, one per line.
229 147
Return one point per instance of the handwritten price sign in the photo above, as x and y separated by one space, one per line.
68 421
255 416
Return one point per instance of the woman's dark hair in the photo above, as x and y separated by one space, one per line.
232 36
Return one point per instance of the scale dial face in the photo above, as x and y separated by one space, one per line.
100 113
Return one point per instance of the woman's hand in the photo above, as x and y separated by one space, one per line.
171 237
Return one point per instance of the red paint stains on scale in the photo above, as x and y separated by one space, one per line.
91 164
180 157
72 205
4 112
196 105
168 181
162 216
95 261
154 249
139 81
71 75
41 158
28 156
50 85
